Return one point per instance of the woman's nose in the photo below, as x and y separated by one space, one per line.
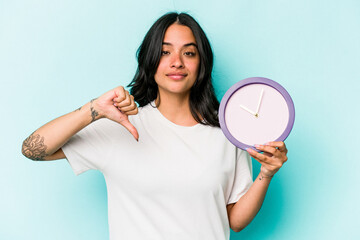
177 61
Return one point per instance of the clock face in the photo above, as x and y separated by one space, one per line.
256 111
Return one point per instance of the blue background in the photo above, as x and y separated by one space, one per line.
57 55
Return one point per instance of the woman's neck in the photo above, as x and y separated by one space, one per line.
176 110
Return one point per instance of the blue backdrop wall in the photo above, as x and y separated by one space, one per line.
57 55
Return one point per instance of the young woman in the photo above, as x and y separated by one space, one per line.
181 178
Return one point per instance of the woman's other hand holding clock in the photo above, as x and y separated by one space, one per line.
272 159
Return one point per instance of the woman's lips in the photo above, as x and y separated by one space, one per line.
176 76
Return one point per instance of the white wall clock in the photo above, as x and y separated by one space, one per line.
256 110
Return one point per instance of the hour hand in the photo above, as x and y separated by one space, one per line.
248 110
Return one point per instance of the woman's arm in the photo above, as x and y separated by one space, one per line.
243 211
46 142
48 139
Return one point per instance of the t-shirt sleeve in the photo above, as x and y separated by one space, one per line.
88 148
243 176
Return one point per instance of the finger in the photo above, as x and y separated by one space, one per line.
130 107
133 112
276 157
267 149
127 124
268 154
120 94
258 156
280 145
126 102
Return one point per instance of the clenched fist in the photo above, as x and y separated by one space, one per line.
116 105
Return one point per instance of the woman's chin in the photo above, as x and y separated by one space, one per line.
176 91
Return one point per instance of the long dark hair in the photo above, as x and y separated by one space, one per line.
203 102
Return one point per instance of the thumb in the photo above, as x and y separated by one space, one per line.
127 124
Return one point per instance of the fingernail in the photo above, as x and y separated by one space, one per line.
257 145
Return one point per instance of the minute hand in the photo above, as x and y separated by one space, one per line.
261 95
248 110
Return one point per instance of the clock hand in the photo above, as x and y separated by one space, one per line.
248 110
257 109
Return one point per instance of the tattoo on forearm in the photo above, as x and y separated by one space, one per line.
34 147
94 113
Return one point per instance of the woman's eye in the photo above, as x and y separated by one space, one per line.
164 52
189 53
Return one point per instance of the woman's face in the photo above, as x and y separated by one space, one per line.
179 62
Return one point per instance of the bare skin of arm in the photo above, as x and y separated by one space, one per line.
242 212
46 142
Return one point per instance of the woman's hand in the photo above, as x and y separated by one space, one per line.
116 105
272 159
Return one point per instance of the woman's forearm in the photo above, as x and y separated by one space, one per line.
115 105
244 210
50 137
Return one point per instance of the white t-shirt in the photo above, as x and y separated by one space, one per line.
174 184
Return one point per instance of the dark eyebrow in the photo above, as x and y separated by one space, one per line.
185 45
190 44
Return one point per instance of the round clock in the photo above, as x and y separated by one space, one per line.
256 110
